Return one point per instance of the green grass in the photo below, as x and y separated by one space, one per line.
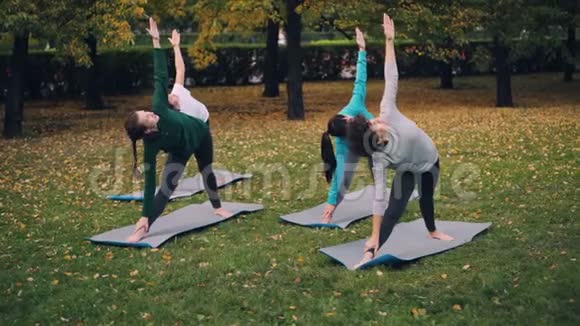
256 270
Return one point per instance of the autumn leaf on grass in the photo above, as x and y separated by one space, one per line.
456 307
134 273
109 256
418 312
167 257
146 316
444 276
276 237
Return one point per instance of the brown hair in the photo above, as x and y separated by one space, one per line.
362 139
135 131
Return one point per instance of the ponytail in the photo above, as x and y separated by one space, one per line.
328 157
135 131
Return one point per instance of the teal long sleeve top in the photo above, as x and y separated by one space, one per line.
355 106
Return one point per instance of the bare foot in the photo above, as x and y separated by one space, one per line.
141 229
440 236
223 213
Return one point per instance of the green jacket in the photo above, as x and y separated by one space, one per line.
178 134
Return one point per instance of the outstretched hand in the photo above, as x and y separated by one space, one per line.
175 38
152 30
360 39
327 213
141 229
388 27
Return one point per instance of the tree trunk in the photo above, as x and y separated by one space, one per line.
15 97
571 45
294 84
271 82
446 74
502 74
93 91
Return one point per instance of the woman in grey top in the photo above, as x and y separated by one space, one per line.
395 142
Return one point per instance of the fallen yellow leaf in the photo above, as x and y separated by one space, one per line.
456 307
417 312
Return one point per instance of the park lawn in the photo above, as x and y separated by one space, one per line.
516 168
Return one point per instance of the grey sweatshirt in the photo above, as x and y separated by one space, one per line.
409 148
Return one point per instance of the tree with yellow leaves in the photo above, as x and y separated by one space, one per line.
247 16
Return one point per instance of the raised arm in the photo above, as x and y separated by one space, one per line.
359 91
179 64
160 80
388 102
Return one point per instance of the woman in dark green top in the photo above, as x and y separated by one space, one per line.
175 133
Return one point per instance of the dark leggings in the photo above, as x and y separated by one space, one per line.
401 190
173 169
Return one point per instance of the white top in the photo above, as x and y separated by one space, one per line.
188 104
409 148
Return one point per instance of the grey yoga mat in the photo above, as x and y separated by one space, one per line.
189 186
182 220
355 206
409 241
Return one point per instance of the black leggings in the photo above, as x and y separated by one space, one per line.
403 185
173 169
